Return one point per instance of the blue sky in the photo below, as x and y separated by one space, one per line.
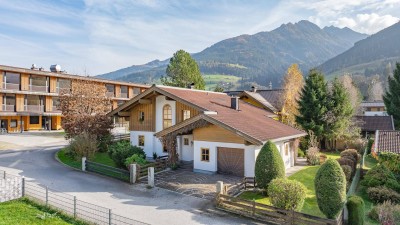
98 36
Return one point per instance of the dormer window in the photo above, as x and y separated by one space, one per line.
167 116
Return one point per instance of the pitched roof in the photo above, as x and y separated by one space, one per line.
249 121
269 98
374 123
387 141
372 104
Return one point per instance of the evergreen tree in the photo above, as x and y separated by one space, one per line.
392 96
312 104
183 71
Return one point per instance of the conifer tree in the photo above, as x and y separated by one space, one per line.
392 96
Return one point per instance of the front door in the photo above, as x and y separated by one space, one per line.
230 161
187 147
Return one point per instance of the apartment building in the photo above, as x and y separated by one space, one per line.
29 98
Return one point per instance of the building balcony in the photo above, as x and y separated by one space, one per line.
8 108
63 90
110 94
10 86
55 109
36 88
124 95
34 108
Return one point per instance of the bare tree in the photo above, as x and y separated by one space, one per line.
375 90
354 93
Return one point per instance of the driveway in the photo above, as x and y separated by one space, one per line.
35 160
185 181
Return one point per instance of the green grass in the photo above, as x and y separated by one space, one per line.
23 211
306 177
99 157
212 80
369 162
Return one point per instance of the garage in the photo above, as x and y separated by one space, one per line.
230 161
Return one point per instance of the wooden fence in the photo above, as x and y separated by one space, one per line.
119 137
270 214
158 166
110 171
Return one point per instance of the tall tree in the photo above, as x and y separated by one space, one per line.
375 89
293 83
338 118
183 71
392 96
312 104
353 91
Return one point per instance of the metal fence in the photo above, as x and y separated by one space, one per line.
120 174
14 187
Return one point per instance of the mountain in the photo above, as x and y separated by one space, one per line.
259 58
369 56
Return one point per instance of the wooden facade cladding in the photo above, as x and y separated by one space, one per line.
24 82
117 91
149 122
53 84
130 92
215 133
20 101
114 104
180 107
1 102
1 79
49 104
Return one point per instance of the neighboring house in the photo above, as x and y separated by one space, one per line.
374 108
386 141
370 124
217 132
29 97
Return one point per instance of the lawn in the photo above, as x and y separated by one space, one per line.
369 162
23 211
360 191
212 80
305 176
99 157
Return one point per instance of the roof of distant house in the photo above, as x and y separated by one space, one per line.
372 104
387 141
249 121
374 123
269 98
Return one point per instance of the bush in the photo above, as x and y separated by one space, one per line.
104 142
83 145
381 194
348 162
380 175
135 158
269 165
330 188
386 213
351 153
369 145
300 153
347 172
287 194
313 156
121 150
154 155
391 161
355 206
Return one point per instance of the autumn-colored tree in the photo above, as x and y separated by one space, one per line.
292 85
84 107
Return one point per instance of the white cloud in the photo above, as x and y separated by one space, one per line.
366 23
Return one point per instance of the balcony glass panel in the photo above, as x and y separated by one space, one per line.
124 92
11 81
110 90
9 108
34 108
38 84
63 86
56 104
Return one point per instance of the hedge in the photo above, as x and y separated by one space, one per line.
269 165
355 207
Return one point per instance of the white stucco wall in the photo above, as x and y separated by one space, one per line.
186 151
160 103
287 159
151 143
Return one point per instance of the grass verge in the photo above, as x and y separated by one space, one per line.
27 212
369 162
99 157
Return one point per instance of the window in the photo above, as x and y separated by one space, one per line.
186 141
286 149
13 124
141 116
186 114
141 140
136 91
34 119
205 154
167 116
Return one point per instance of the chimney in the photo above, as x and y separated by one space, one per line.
253 88
191 86
235 103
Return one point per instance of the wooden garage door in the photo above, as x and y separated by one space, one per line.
231 161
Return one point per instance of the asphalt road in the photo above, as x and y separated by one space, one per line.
35 160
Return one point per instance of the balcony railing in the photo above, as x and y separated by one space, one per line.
38 88
10 86
8 108
124 95
55 109
63 90
34 108
110 94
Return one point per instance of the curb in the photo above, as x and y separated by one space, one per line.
62 163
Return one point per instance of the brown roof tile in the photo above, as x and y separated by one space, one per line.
374 123
388 141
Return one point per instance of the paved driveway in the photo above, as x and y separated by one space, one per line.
185 181
153 206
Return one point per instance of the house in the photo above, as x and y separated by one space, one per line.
386 141
218 133
29 98
373 108
370 124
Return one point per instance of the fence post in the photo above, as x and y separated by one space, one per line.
75 207
109 217
150 176
254 207
22 186
133 173
83 163
47 196
220 187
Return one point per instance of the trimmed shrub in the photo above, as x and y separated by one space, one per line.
330 188
104 142
347 172
386 213
380 175
391 161
300 153
369 145
381 194
287 194
83 145
355 206
135 158
313 156
351 152
348 162
121 150
269 165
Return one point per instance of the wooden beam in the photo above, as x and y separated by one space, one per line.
124 114
169 99
144 101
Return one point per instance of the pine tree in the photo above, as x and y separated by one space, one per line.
312 104
183 71
392 96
